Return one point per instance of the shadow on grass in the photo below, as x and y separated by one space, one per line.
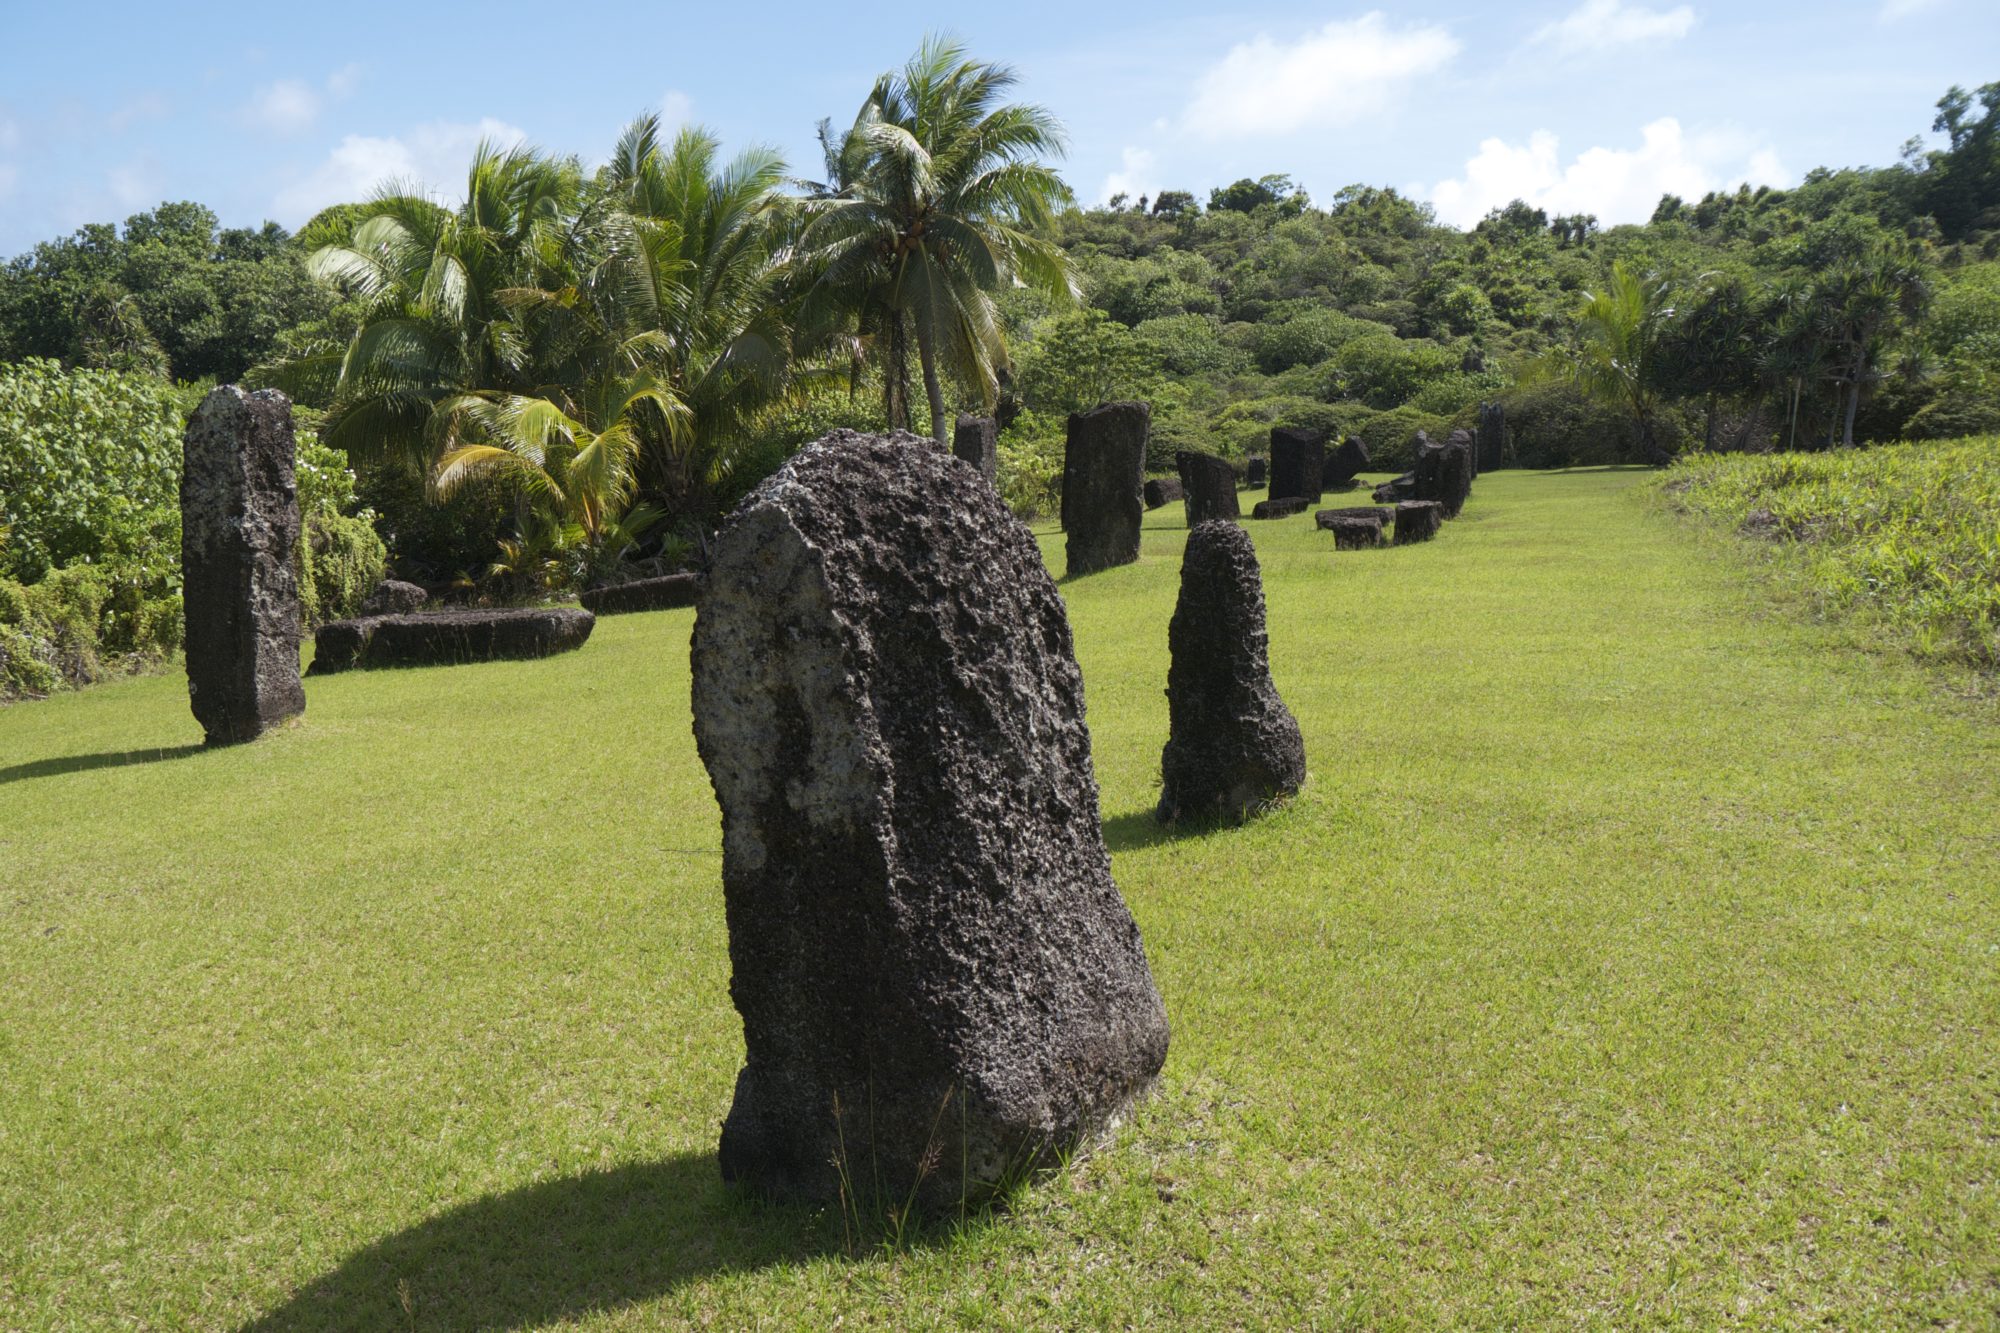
1139 830
81 763
558 1250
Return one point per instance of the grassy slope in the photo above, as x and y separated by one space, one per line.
1629 957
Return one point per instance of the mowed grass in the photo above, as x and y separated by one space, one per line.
1631 958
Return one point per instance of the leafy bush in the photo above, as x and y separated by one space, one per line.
1031 464
80 625
89 469
1309 336
1905 536
1553 424
1391 436
1384 371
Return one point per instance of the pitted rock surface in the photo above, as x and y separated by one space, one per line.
1298 463
394 597
1208 486
977 441
239 564
1353 534
448 638
1104 464
665 593
930 958
1233 747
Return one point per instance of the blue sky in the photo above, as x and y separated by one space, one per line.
1579 105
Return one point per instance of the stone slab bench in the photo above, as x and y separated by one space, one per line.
448 638
666 593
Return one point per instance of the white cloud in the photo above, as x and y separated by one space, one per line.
344 80
1602 25
1617 184
676 110
288 106
1135 175
1895 10
1333 76
431 157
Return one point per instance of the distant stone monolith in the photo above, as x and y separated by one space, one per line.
1298 463
977 441
1104 468
1208 486
239 564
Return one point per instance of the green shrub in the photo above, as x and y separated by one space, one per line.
1904 536
1391 436
344 559
1031 464
80 625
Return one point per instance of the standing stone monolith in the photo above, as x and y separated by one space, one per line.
1492 436
1346 463
1104 469
939 983
1298 463
239 564
1254 472
1418 521
977 441
1233 747
1444 473
1208 487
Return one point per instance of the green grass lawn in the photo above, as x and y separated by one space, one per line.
1631 958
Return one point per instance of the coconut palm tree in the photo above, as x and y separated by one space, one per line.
935 196
1618 337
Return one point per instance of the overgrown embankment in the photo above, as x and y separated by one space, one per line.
1905 538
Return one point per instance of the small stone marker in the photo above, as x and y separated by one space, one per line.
1162 491
1401 488
239 552
1351 533
1347 462
1104 465
1285 508
394 597
1492 436
1418 521
939 983
1298 463
1233 747
977 441
1253 473
666 593
1208 486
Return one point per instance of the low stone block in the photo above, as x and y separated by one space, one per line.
394 597
1162 491
1377 513
448 638
1285 508
665 593
1354 534
1418 521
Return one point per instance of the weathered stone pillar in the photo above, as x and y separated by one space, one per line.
1298 463
977 441
1233 747
1492 436
1104 469
939 983
1346 463
1208 486
1418 521
239 564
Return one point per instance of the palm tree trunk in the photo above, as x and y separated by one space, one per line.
927 354
1853 406
896 375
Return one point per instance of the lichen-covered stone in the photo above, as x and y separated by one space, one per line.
1285 508
1208 485
666 593
1233 747
1104 465
239 564
977 441
939 983
1298 463
1162 491
448 638
1418 521
394 597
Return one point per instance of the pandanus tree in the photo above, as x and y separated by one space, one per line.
1861 304
935 200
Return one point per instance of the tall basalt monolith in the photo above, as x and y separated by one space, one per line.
1104 471
1465 438
1298 463
1255 473
1208 487
239 564
1346 463
1492 436
977 441
1233 747
1444 474
939 983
